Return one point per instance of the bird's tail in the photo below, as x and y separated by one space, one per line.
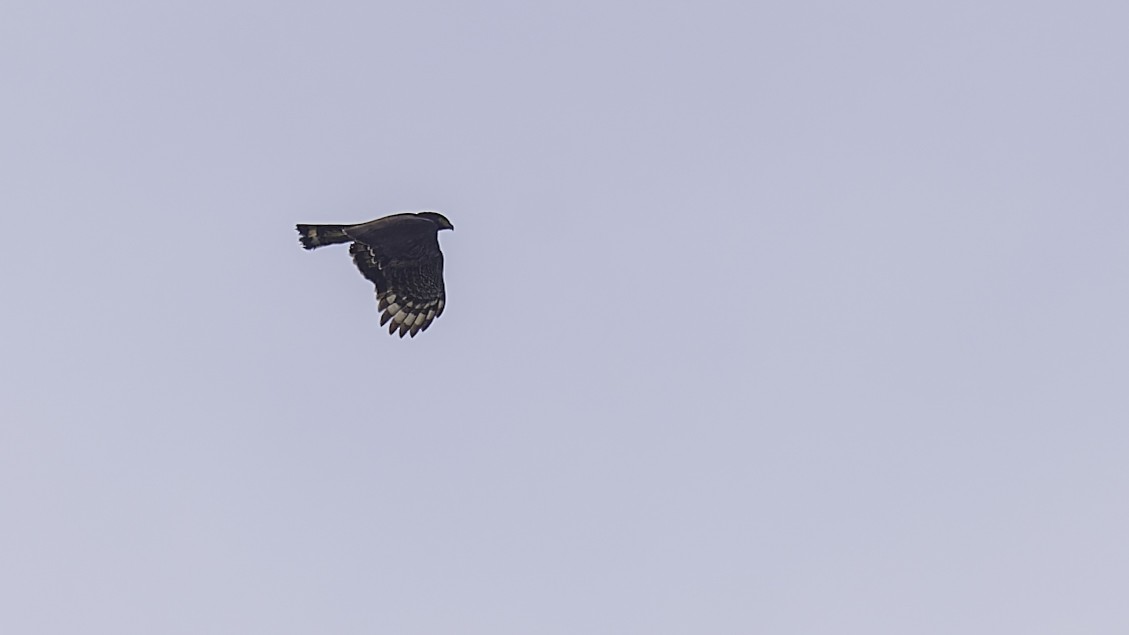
314 236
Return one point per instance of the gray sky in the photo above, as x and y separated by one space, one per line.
776 318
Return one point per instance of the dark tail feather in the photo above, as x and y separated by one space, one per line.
314 236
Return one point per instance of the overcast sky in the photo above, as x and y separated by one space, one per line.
784 317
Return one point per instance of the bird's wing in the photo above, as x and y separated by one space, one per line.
409 284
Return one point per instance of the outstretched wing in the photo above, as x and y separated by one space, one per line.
409 286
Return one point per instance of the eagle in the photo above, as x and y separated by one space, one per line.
400 255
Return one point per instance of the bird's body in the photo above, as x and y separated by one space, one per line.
400 255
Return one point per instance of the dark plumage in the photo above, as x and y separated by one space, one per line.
400 255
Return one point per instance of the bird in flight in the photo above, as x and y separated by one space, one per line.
400 255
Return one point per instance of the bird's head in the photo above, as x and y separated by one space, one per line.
437 218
